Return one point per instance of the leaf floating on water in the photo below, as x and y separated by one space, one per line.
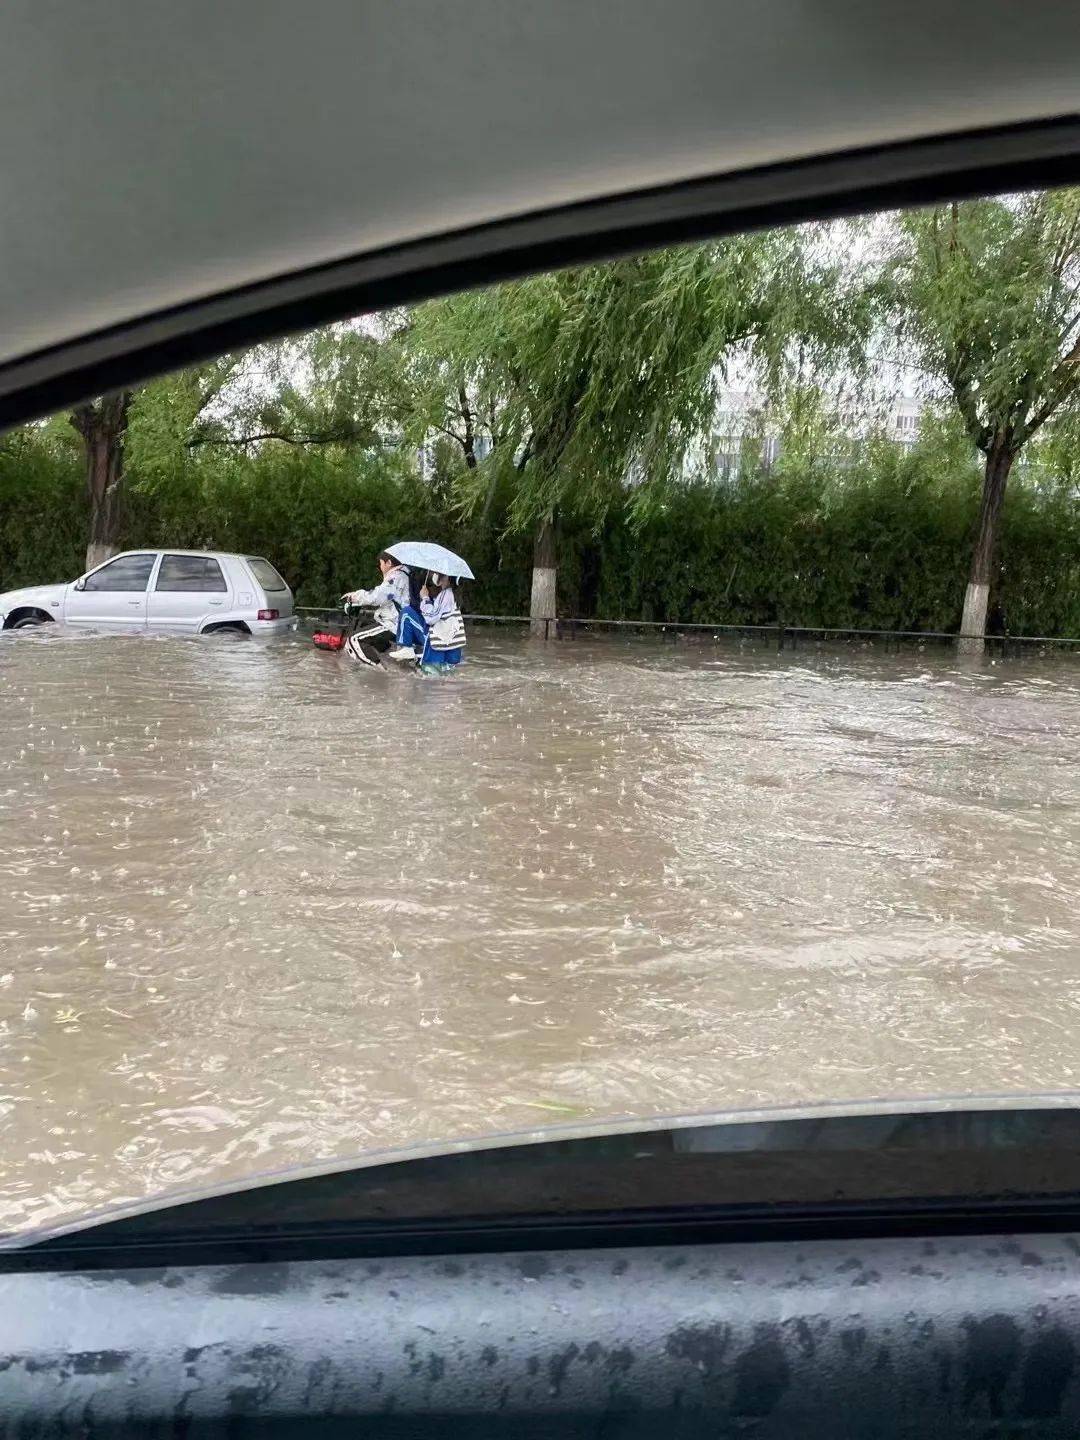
555 1106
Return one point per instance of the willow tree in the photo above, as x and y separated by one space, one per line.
591 383
988 294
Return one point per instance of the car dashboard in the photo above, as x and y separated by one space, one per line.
849 1275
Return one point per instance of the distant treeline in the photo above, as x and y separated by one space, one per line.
882 544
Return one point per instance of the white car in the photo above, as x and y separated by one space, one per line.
184 592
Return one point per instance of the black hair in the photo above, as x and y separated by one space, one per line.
414 583
414 589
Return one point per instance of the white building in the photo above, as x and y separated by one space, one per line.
742 423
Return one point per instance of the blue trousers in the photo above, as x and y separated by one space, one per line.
412 629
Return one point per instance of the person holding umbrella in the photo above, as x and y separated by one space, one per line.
442 615
432 631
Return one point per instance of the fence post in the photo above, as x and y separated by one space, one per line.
779 638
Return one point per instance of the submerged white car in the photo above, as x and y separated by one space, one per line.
185 592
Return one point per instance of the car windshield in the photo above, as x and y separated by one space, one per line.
742 774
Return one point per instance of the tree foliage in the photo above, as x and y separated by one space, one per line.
586 379
589 395
987 293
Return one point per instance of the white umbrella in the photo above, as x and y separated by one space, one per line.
426 556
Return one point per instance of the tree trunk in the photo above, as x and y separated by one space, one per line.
542 603
103 476
468 438
102 425
999 460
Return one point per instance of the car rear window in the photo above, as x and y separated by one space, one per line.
198 573
265 574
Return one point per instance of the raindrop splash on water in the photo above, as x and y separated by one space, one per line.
351 915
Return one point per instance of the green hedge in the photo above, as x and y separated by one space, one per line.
882 546
320 516
43 512
876 554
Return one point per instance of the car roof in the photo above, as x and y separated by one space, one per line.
175 550
184 178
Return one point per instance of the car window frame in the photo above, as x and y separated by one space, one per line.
204 556
283 589
84 587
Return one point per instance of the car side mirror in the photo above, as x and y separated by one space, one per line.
80 584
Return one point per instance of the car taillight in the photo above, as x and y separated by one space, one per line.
268 614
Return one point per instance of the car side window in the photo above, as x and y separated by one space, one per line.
126 572
190 573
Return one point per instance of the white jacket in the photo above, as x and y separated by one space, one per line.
446 628
387 599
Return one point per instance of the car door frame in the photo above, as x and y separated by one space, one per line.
213 609
120 621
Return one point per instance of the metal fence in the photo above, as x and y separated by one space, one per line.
777 637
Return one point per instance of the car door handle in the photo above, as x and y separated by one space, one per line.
217 602
135 602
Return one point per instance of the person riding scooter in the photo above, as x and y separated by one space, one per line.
388 599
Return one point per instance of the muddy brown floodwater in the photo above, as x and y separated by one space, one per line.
265 910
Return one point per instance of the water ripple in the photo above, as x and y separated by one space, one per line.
261 909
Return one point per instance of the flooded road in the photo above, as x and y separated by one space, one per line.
261 909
